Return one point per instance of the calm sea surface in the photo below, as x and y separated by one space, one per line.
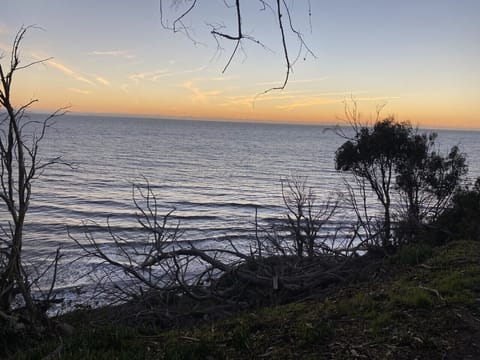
214 173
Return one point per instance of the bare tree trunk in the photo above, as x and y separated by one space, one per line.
18 168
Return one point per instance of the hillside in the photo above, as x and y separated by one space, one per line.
422 303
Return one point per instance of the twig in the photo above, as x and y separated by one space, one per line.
434 291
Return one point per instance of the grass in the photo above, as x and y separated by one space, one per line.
423 303
413 254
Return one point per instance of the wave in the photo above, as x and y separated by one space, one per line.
216 175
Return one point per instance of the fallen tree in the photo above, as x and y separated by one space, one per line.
269 267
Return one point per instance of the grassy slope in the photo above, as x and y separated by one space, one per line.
403 311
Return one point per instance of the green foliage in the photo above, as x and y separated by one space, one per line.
359 303
314 333
96 343
412 254
464 251
381 145
400 311
393 156
413 297
381 322
461 219
459 287
241 335
192 350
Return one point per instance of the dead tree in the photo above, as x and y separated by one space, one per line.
20 165
305 218
174 15
160 265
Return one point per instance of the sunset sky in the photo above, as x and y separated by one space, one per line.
419 57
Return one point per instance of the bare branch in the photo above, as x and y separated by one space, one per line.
280 10
19 166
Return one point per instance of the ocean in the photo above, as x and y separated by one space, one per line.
215 175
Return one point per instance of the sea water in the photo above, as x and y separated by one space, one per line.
216 175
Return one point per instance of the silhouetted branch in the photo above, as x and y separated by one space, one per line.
20 165
164 263
280 9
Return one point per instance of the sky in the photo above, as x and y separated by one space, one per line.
419 58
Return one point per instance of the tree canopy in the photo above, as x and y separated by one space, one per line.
400 164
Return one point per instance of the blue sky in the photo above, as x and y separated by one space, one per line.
419 57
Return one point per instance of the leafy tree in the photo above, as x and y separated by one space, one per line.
427 180
401 166
372 154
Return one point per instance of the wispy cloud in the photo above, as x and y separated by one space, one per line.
148 75
176 73
332 98
199 95
102 81
300 81
216 78
295 99
271 96
308 103
68 71
156 75
79 91
61 67
377 98
115 53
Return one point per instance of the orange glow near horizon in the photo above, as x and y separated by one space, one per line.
423 64
273 110
191 101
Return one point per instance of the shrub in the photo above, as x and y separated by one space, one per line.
412 254
461 219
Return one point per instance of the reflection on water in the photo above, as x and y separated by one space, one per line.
214 173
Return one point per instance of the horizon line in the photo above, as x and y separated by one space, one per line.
239 120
